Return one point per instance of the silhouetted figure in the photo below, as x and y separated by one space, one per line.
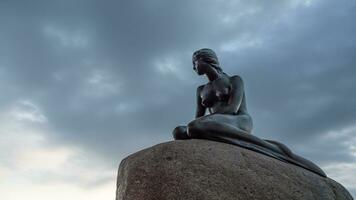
228 120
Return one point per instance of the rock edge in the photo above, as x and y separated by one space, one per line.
207 170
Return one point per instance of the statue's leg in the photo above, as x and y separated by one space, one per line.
226 128
283 147
306 163
180 133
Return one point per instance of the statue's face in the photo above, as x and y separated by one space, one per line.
200 66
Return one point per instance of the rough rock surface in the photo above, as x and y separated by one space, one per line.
207 170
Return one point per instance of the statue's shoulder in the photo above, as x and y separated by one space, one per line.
236 78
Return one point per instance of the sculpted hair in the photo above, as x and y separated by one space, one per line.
208 56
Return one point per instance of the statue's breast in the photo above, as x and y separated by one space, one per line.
213 92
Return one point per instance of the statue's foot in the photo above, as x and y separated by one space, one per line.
180 133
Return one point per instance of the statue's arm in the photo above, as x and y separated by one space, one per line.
200 110
236 94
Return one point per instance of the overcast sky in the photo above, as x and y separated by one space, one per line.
85 83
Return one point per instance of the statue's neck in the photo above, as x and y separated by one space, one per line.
213 74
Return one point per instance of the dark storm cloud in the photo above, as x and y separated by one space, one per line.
114 75
307 69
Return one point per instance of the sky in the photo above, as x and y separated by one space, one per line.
85 83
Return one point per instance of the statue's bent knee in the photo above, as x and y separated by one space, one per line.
180 133
197 129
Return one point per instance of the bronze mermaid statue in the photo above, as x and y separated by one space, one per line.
228 120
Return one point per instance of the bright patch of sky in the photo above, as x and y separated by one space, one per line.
33 168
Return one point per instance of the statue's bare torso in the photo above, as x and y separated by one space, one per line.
215 96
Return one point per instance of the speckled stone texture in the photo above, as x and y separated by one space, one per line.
208 170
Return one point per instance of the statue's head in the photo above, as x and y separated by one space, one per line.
203 58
